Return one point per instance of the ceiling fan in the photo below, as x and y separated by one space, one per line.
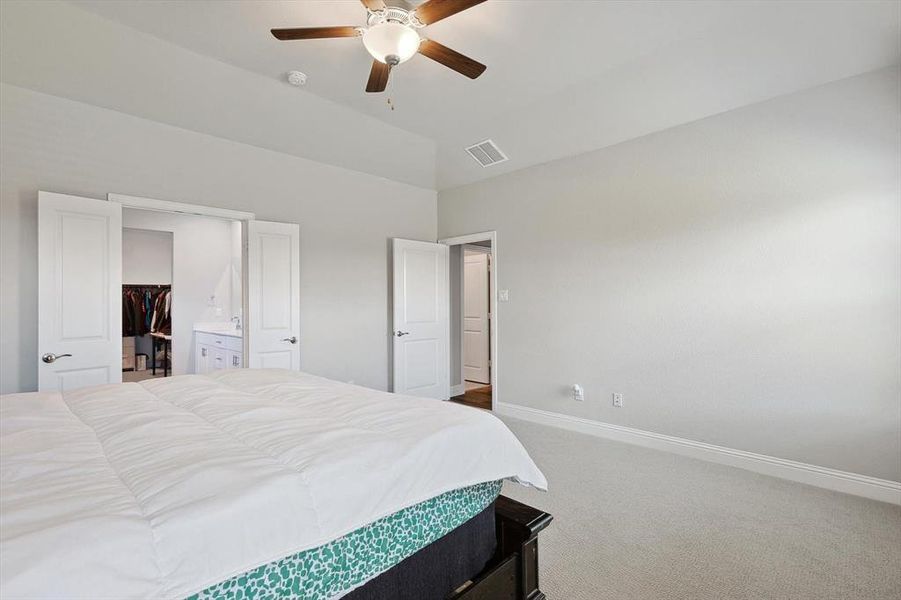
391 37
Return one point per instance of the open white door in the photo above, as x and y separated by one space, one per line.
476 350
79 292
421 325
273 295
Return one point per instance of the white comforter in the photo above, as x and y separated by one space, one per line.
161 489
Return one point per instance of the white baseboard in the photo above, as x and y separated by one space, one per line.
458 390
830 479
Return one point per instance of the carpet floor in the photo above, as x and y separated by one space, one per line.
635 523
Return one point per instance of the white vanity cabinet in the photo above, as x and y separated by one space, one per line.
214 351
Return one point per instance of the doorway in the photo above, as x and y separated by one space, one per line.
472 275
182 292
80 290
146 303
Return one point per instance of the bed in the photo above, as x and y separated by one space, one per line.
259 484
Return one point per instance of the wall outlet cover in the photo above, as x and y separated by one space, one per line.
578 393
617 400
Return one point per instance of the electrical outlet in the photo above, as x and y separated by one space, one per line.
578 393
617 400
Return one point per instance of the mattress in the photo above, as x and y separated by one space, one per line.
179 484
341 565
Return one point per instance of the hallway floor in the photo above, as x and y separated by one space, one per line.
477 395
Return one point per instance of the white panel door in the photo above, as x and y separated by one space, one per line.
421 325
475 315
79 292
273 295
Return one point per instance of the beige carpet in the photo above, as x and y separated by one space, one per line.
633 523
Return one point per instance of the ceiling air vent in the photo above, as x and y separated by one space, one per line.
487 153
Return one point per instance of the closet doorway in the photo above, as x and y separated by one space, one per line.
81 289
182 281
146 303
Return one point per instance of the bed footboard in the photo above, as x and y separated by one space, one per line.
513 572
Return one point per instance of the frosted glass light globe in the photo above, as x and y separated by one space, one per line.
391 43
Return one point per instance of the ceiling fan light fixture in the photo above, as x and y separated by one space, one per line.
391 43
391 37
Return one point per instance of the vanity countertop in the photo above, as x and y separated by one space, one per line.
227 329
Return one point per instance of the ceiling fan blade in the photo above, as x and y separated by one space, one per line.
378 77
313 33
374 5
451 59
435 10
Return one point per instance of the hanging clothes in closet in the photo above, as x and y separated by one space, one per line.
146 309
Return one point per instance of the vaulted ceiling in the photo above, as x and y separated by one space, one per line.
563 77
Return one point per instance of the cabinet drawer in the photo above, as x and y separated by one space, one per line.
234 344
226 342
207 339
219 360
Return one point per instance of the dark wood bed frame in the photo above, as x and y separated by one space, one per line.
512 574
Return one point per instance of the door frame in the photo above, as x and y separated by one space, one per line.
200 210
180 207
462 240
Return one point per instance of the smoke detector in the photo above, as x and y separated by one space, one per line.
297 78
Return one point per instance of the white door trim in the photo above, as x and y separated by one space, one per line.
495 363
180 207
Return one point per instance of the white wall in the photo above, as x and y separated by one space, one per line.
146 256
201 251
346 219
738 279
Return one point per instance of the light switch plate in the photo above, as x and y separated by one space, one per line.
503 295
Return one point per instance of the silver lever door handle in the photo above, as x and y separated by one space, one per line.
402 333
50 357
292 339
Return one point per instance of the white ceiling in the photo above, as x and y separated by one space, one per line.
563 77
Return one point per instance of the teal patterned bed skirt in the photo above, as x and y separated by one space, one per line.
345 563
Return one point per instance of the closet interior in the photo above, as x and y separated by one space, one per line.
146 330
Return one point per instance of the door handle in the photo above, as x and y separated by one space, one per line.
402 333
292 339
50 357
